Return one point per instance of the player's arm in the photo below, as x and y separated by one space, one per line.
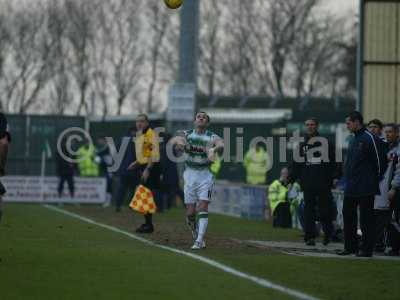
217 147
179 141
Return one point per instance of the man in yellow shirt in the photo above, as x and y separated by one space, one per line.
147 163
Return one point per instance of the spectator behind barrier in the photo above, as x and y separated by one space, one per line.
256 164
86 161
278 199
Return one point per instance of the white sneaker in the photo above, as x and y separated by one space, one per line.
199 245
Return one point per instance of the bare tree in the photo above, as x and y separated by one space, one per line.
210 58
79 32
160 20
315 55
4 45
345 66
276 28
59 85
239 48
26 70
101 76
125 54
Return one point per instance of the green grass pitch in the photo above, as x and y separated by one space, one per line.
46 255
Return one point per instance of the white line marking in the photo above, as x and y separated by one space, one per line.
260 281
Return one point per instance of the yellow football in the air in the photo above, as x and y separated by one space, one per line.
173 4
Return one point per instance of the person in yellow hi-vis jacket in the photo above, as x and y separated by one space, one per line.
278 201
86 161
147 162
215 167
256 163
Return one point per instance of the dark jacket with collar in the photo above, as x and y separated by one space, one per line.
318 166
128 158
365 164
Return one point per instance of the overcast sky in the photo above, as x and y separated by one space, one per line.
343 6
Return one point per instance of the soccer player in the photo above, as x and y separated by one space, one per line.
201 147
5 139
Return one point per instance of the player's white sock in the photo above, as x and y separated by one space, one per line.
202 223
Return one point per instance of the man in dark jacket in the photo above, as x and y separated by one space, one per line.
382 204
394 198
364 168
5 139
65 171
316 168
169 175
105 160
128 179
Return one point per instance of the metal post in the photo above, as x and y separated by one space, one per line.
188 48
360 57
182 95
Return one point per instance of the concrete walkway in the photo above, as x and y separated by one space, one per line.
319 250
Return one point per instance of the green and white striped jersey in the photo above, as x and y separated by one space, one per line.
196 148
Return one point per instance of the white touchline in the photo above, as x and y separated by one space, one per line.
260 281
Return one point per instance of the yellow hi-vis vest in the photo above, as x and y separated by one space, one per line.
256 165
87 165
147 147
216 166
277 193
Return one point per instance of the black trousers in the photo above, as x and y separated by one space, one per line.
382 221
394 227
126 183
320 200
71 185
367 223
282 217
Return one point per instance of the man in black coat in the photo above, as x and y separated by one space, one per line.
316 168
105 160
169 173
65 171
5 139
364 168
128 179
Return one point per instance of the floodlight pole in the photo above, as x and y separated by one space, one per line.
188 46
182 94
360 57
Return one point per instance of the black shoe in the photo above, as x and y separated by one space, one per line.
145 228
345 252
380 248
326 241
364 254
310 242
393 253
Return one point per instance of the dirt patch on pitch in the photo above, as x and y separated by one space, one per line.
170 230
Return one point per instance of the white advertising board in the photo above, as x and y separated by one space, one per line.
31 189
